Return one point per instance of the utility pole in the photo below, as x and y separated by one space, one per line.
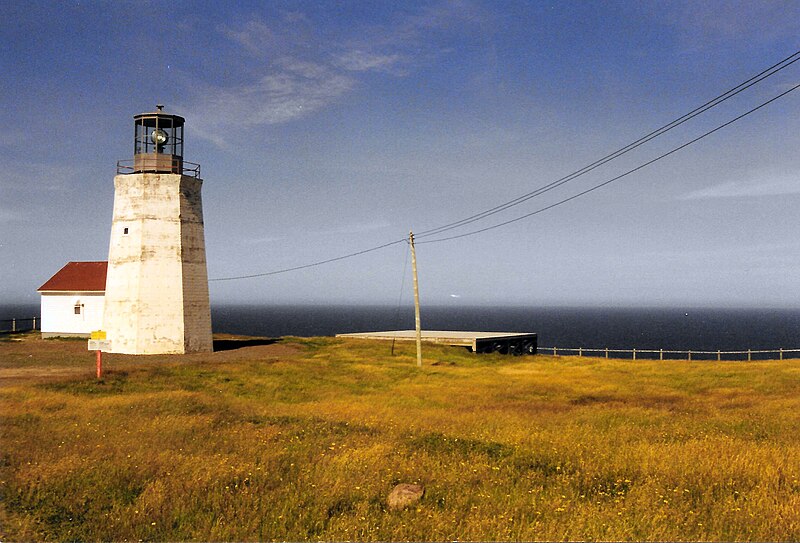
416 299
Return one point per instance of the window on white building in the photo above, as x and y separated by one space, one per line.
78 307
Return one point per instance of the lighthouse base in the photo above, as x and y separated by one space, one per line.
157 298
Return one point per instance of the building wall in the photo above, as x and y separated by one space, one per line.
197 335
59 318
157 286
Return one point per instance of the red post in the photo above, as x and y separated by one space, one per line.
99 364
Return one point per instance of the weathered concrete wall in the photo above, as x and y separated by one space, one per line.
157 285
59 318
196 306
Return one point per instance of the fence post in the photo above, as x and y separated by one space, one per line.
13 325
781 355
749 356
719 355
555 351
690 355
606 352
634 353
580 351
34 324
661 354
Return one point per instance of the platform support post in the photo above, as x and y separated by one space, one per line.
417 322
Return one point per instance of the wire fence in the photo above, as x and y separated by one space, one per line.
668 354
9 326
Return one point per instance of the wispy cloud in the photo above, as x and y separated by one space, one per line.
38 177
735 250
296 70
261 240
293 90
707 24
362 61
766 186
255 36
9 215
413 40
352 228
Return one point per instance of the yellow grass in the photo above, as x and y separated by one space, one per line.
304 439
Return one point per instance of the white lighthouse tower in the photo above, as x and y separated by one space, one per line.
156 298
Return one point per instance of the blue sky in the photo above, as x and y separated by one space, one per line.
326 128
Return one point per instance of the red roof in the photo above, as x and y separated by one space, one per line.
78 276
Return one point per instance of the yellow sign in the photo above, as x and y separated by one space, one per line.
98 334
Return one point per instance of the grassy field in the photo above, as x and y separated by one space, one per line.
303 439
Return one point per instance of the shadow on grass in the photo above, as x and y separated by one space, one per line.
231 344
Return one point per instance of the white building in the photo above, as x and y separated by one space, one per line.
73 300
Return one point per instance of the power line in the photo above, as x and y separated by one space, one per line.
313 264
772 70
609 181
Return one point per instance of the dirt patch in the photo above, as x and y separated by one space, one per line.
29 358
247 351
12 376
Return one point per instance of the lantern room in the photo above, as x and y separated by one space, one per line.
158 142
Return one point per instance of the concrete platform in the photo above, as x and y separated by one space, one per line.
478 342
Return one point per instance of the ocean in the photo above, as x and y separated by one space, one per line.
703 329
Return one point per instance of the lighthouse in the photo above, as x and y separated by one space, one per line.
156 299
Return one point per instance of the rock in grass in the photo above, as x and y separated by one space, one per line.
404 495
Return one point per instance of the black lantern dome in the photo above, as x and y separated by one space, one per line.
158 142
